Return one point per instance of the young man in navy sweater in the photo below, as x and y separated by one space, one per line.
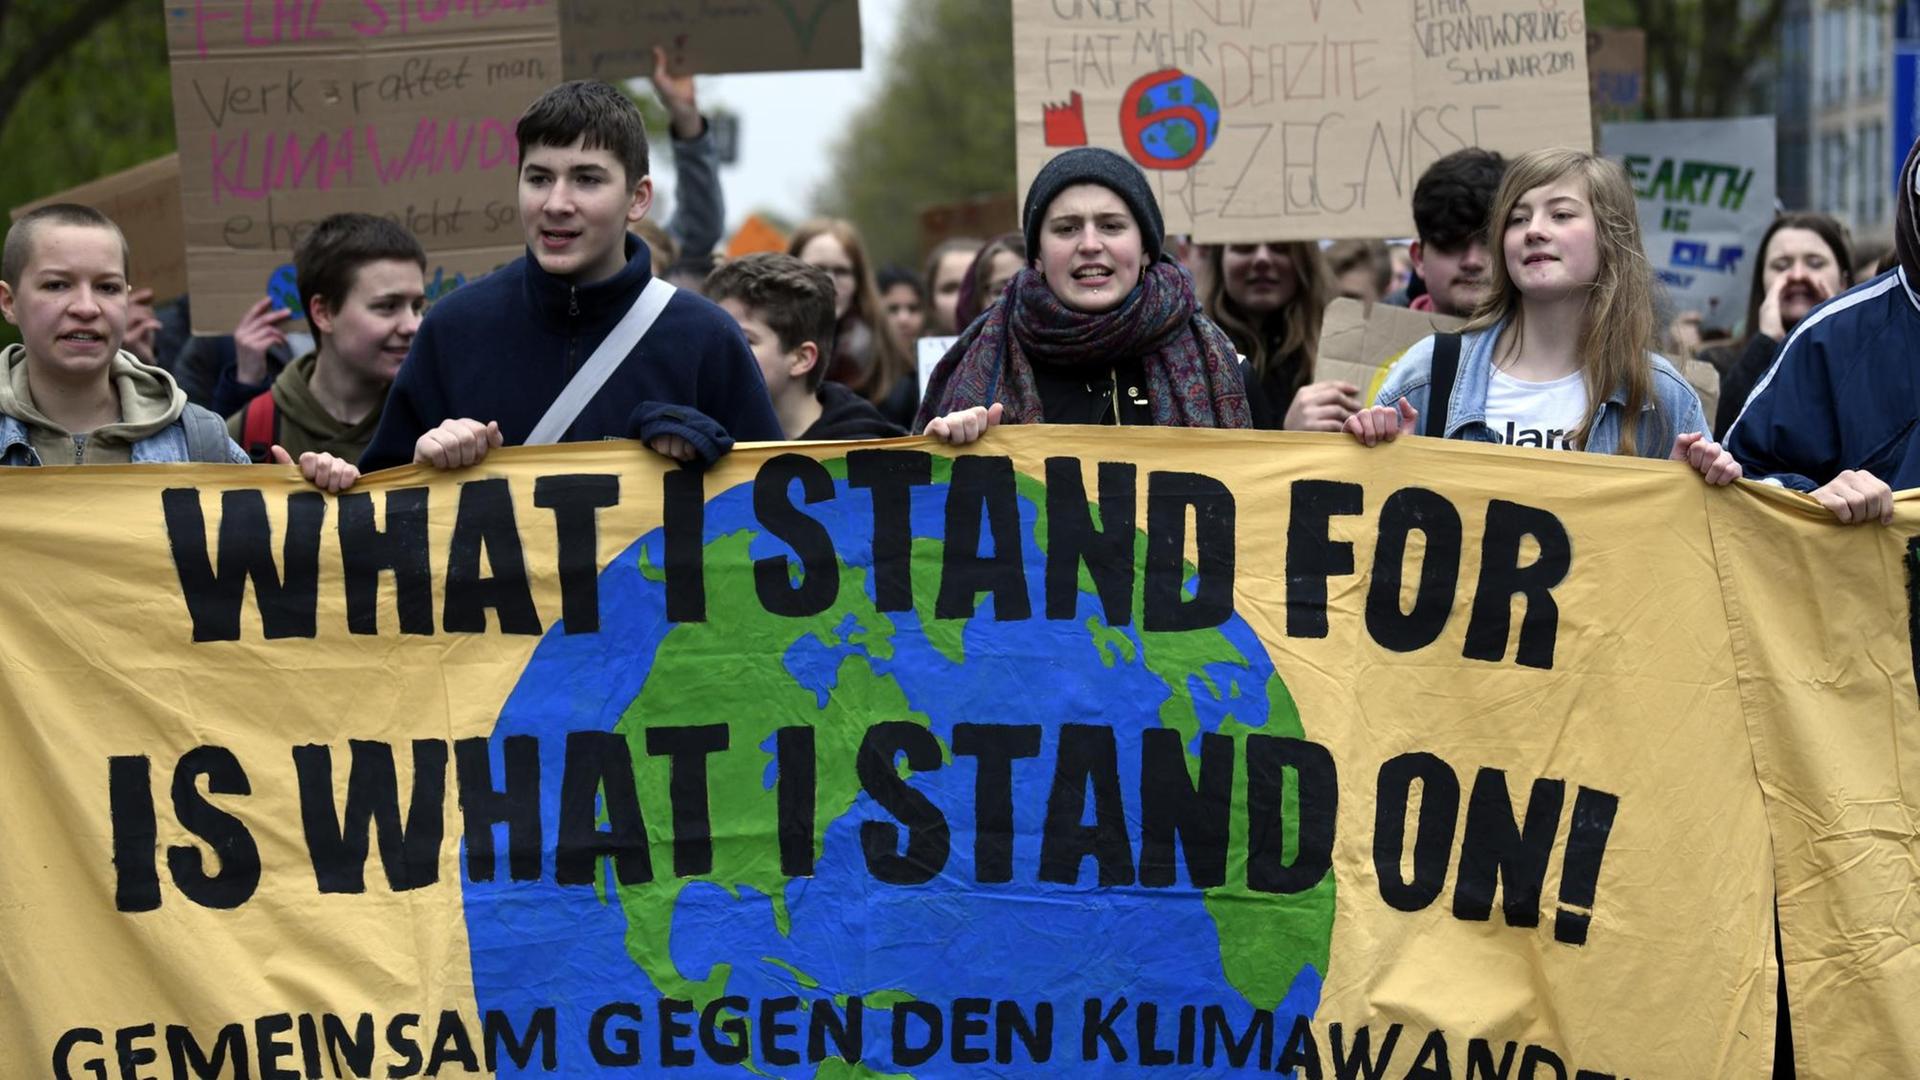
491 358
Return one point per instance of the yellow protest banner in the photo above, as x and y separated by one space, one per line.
1074 753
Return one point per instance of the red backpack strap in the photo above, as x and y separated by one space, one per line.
260 428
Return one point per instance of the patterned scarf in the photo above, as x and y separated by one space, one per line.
1193 377
1906 217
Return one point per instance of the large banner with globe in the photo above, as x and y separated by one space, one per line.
1077 753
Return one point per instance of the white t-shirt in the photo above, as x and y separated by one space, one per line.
1543 414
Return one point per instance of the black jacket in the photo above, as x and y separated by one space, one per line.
1085 395
847 415
1268 399
1739 373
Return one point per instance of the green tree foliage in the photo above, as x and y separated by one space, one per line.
940 130
1702 55
83 92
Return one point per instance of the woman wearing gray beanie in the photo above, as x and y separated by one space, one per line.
1100 327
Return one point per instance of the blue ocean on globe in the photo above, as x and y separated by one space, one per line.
841 933
1174 138
283 288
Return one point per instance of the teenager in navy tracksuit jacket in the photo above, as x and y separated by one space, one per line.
1841 395
1835 415
490 359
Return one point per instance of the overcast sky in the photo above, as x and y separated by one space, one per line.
788 121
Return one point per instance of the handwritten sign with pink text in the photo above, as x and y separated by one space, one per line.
290 110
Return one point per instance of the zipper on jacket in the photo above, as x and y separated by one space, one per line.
573 330
1114 374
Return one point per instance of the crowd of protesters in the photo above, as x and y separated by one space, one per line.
613 326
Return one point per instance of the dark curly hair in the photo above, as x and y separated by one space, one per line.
1451 201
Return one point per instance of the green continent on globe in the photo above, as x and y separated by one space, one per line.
756 694
1264 940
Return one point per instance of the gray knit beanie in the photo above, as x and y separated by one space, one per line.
1093 165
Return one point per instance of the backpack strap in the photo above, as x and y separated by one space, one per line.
206 436
1445 371
260 428
600 366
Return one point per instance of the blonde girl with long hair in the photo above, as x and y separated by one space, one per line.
1560 354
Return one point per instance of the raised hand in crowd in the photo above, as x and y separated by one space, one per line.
1804 261
260 329
1839 398
965 425
1383 423
1706 457
1323 406
1856 497
1809 292
457 443
324 471
143 326
677 95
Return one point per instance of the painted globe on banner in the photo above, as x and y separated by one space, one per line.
744 930
1169 120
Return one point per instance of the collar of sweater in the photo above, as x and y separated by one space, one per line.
568 308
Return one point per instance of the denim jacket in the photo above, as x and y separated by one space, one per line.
1675 409
166 446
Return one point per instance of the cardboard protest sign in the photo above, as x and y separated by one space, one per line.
1705 380
1360 344
582 763
1617 71
291 113
755 236
145 202
928 352
1705 191
979 219
1295 121
614 39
